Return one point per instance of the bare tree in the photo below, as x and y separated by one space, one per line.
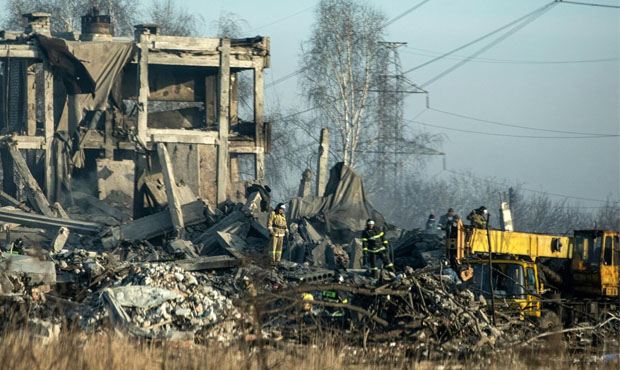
173 19
608 216
66 14
292 151
338 63
230 25
536 212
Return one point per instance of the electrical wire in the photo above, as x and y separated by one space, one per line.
507 135
589 4
284 78
432 53
503 37
489 34
518 126
389 22
406 12
536 191
283 18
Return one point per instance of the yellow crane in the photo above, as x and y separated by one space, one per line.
593 256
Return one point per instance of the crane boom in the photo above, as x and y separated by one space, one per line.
464 242
520 244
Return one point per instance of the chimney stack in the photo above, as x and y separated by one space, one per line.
96 26
38 22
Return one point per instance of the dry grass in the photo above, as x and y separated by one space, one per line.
21 351
107 351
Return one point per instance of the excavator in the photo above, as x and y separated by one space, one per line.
509 264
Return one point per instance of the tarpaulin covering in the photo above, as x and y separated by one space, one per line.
74 74
89 69
344 209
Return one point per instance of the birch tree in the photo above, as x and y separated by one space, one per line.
338 63
173 19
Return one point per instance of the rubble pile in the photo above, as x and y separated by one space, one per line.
426 314
419 249
161 299
213 280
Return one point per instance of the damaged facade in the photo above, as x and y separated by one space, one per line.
78 107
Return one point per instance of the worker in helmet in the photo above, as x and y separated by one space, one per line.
431 224
278 229
478 217
375 245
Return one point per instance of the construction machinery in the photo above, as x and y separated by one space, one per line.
510 265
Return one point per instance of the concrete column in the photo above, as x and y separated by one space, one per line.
143 84
259 120
48 124
322 169
223 122
305 185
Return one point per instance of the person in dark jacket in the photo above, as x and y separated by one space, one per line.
375 245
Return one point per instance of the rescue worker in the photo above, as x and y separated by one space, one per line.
278 230
431 224
374 244
448 218
478 217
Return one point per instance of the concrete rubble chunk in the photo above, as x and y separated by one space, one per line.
183 247
253 203
37 271
61 239
141 296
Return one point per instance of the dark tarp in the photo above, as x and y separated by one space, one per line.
74 74
104 61
343 210
88 69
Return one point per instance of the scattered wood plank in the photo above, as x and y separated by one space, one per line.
172 193
35 194
45 222
9 200
158 224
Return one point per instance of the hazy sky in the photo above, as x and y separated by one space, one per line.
508 83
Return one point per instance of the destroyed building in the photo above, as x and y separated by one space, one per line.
85 106
154 122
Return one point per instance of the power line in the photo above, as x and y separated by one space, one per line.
389 22
590 4
509 61
489 34
284 78
519 126
298 113
534 190
503 37
401 15
283 18
507 135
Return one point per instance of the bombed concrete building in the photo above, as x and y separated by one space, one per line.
94 109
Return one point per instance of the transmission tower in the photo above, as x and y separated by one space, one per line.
390 88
